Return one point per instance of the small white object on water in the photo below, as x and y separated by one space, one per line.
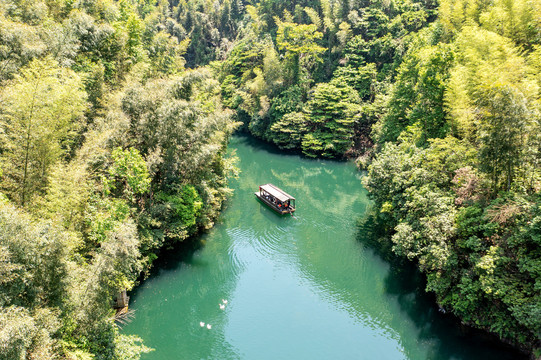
224 301
202 324
209 326
222 306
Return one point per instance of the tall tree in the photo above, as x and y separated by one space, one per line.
299 42
332 113
505 120
39 111
491 98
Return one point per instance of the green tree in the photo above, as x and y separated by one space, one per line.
129 173
34 284
505 121
181 130
417 96
177 213
512 19
491 99
19 44
289 131
68 193
361 78
28 334
331 114
479 255
301 49
40 110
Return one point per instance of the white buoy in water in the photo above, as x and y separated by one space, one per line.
222 306
209 326
224 301
202 324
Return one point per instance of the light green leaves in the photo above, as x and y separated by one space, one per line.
130 170
40 109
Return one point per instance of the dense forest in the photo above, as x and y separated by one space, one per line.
111 150
115 118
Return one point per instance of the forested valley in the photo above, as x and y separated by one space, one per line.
115 118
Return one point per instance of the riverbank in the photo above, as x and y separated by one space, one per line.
308 286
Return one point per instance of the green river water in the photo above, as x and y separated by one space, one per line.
311 286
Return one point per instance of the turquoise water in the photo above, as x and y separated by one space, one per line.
312 286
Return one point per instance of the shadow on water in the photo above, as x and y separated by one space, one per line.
172 257
169 258
258 145
246 138
448 338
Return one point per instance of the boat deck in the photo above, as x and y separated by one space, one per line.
274 206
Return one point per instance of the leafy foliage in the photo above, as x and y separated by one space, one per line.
290 130
39 113
129 171
417 96
332 112
34 286
94 189
467 244
331 43
463 206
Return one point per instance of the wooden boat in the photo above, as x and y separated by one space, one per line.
277 199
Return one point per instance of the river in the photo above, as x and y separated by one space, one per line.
312 286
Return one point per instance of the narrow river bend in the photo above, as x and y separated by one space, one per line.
303 287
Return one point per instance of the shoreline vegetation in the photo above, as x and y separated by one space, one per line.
115 118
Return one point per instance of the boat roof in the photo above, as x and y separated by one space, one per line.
276 192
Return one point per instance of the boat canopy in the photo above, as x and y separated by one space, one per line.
277 193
